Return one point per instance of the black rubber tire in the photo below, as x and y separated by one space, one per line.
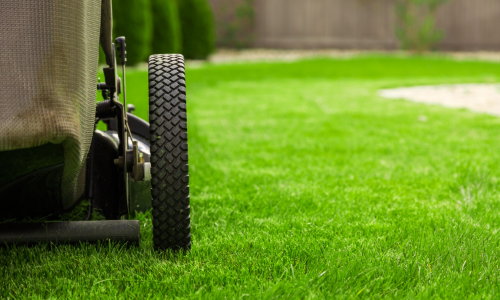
169 152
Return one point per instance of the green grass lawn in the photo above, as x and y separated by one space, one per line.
306 184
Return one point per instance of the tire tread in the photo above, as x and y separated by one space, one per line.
169 152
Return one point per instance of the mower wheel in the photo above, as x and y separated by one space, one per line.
169 152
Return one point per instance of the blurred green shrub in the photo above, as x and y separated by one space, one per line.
197 25
166 27
235 28
416 28
133 19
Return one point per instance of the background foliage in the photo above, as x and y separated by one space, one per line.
197 24
166 27
235 26
133 19
417 29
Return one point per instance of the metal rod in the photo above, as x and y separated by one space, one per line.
124 88
70 232
127 132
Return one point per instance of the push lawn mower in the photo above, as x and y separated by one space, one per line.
51 155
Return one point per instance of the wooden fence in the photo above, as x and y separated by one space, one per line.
349 24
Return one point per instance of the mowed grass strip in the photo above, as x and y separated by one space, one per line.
304 183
